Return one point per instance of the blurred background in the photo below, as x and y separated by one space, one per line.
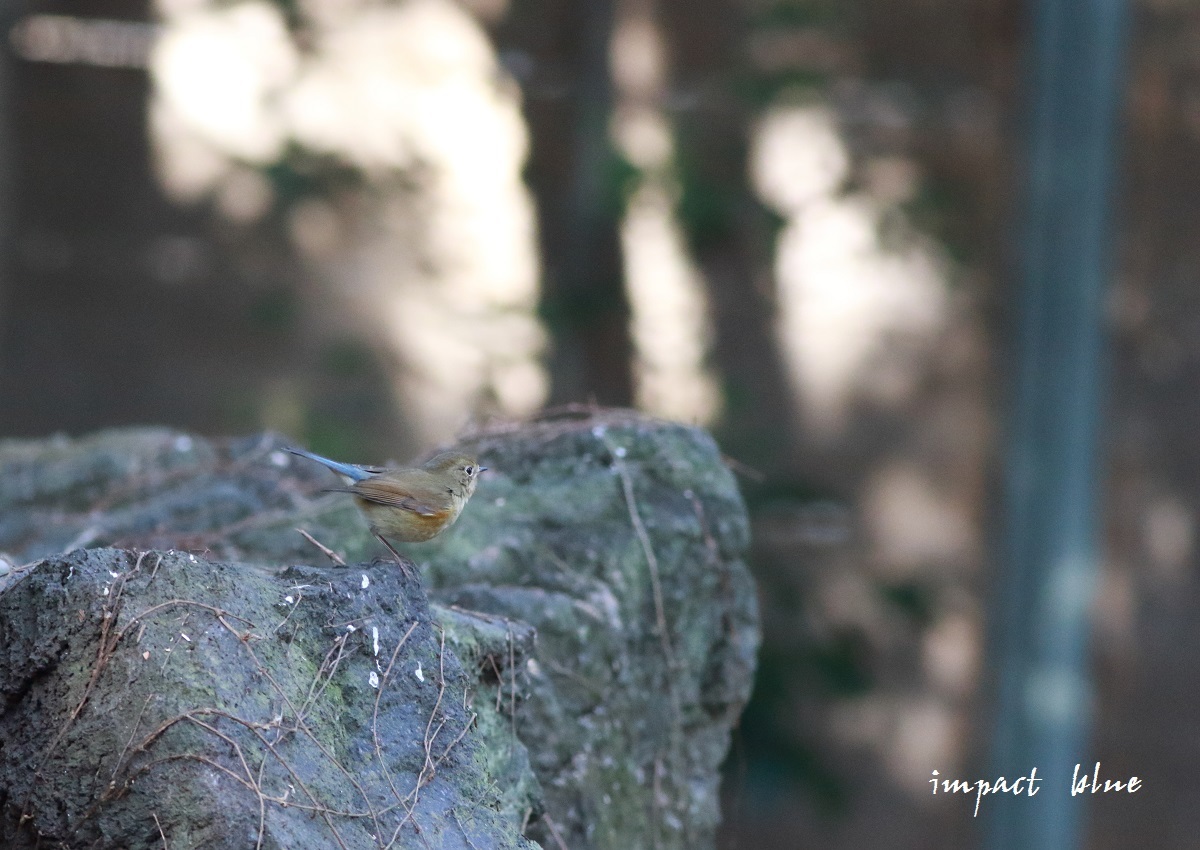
370 224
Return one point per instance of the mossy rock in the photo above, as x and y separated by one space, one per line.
592 612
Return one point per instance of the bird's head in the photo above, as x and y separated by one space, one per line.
463 468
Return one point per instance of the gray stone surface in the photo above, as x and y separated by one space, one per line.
230 706
599 625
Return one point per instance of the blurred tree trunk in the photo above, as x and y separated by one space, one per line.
727 230
562 51
10 11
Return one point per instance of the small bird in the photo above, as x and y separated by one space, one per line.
410 504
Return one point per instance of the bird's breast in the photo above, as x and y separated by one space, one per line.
404 525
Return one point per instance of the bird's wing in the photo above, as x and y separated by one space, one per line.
417 500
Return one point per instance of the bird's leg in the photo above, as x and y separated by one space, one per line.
400 559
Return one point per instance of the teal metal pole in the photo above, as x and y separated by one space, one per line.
1050 524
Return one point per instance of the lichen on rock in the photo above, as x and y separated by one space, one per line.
589 647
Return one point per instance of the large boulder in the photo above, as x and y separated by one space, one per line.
593 624
159 699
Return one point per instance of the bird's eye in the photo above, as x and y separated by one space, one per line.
470 470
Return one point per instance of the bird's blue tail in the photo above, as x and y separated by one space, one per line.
350 470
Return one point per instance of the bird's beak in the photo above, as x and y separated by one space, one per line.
483 469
